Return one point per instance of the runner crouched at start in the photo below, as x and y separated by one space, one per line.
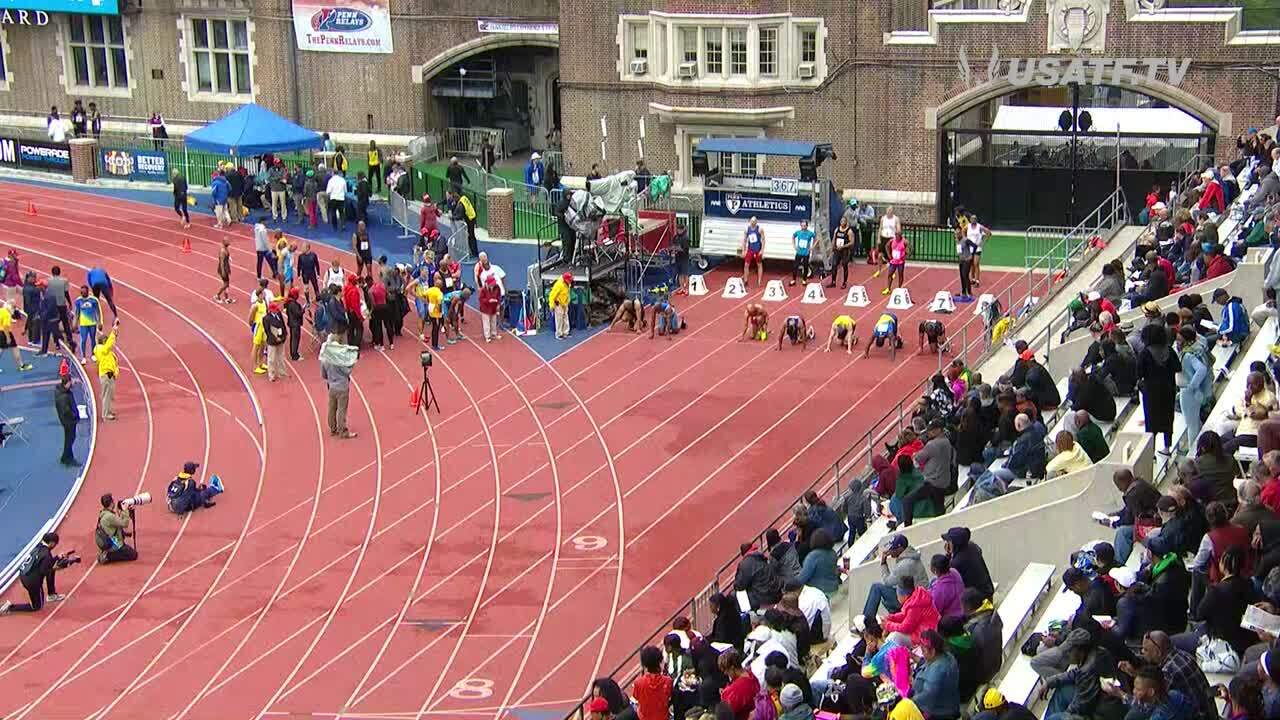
632 313
886 330
665 321
755 323
842 329
933 334
797 330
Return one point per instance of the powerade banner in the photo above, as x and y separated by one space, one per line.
135 165
349 26
763 206
30 154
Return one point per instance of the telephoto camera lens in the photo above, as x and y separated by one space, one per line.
139 499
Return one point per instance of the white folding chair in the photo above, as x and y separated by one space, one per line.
13 428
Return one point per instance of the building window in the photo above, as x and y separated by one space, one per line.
689 44
737 51
640 42
714 38
97 51
769 51
808 45
220 55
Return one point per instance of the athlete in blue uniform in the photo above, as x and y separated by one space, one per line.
797 330
753 251
886 329
802 241
665 321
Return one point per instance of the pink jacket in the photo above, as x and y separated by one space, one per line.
917 615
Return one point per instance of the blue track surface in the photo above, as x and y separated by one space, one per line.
384 234
33 484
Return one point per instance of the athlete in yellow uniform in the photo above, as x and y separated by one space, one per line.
842 330
258 358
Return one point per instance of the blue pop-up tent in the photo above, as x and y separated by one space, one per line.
253 130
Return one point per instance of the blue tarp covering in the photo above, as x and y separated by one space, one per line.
253 130
758 146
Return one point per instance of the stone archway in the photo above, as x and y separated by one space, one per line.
457 53
1218 121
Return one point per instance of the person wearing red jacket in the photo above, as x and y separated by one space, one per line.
917 614
1216 264
490 299
355 318
1211 198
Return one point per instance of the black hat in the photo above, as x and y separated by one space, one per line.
190 467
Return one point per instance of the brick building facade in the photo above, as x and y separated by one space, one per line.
875 77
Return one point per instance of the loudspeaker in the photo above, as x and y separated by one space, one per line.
700 165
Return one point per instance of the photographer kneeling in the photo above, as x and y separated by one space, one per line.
36 573
113 524
185 494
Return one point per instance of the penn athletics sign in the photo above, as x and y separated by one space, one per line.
1054 71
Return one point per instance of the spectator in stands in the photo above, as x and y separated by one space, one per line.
886 477
966 558
1243 696
783 559
821 516
1211 196
1153 286
935 460
906 564
1017 375
1096 595
946 587
1027 457
1195 382
1268 186
652 690
1252 511
1181 526
740 692
727 626
935 689
910 479
1070 457
770 636
1179 670
1215 470
1084 392
1079 692
1240 428
1234 327
756 578
1087 435
960 645
1216 263
819 566
995 707
1110 285
987 630
1267 310
1219 612
1139 503
1222 536
916 614
813 605
766 700
1151 698
793 704
1041 387
971 433
1157 369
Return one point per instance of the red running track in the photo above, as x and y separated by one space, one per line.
482 562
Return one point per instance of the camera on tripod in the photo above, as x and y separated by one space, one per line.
425 357
425 396
143 498
66 560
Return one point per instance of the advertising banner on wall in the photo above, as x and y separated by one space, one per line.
135 165
35 155
350 26
763 206
16 9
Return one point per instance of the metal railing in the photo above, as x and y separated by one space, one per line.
1043 241
1046 274
971 343
468 140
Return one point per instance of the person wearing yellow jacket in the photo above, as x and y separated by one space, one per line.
104 354
559 301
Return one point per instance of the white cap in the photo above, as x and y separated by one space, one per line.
535 156
453 159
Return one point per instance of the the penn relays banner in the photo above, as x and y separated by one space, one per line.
351 26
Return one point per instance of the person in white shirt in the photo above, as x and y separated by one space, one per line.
890 227
337 192
976 233
484 269
815 605
335 276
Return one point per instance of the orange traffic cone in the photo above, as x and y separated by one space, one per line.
64 369
31 209
186 245
415 398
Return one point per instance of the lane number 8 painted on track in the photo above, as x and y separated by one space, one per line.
472 689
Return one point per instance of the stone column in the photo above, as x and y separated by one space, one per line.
84 159
502 214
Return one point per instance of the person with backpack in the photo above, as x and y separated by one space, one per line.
37 573
109 535
185 494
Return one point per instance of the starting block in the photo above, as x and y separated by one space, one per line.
984 302
857 297
774 292
813 294
734 289
697 286
942 302
900 299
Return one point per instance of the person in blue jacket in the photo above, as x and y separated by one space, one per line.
100 283
221 190
534 173
1234 327
819 566
935 689
1197 379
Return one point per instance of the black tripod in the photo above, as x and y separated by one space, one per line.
426 396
